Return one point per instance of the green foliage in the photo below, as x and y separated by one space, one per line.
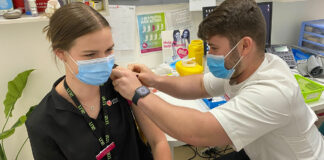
19 122
7 133
11 131
15 89
2 155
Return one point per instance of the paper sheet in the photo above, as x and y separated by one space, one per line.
178 19
122 21
196 5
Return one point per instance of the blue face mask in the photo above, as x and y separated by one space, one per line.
94 71
216 65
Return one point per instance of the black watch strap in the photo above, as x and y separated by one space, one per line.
135 98
140 92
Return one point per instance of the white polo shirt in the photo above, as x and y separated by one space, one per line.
266 114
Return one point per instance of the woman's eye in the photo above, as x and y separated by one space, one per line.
109 51
90 55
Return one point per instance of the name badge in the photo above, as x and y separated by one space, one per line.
105 151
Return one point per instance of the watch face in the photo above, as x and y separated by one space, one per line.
143 90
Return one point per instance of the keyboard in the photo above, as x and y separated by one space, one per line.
288 57
284 52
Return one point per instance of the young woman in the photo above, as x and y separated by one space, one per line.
83 114
185 37
176 44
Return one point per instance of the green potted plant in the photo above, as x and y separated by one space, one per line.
15 89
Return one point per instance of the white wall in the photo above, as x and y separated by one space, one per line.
287 18
23 46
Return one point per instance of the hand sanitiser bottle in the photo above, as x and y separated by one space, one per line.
33 8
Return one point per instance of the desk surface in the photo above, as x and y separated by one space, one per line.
318 105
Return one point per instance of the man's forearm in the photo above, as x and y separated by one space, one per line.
185 124
188 87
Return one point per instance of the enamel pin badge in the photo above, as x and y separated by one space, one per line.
109 103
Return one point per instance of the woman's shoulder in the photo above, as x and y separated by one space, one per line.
40 115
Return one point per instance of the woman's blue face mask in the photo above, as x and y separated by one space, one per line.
94 71
216 65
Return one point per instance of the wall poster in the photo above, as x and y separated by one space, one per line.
150 27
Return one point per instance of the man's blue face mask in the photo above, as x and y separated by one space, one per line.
94 71
216 65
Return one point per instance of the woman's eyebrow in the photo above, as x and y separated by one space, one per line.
95 51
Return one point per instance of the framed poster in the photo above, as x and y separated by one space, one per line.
150 27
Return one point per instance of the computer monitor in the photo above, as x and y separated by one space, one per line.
266 8
205 12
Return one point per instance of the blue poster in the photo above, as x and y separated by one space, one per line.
150 27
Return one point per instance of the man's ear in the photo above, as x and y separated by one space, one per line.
60 54
247 45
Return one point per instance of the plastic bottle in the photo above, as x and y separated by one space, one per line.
27 8
33 8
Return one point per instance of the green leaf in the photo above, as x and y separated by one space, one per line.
2 154
30 110
15 89
19 122
7 133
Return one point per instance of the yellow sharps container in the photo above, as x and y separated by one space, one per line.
188 67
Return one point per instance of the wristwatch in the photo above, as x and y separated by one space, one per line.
140 92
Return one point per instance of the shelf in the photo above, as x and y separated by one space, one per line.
28 18
314 34
316 23
314 43
24 19
308 50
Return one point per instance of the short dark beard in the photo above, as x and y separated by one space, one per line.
233 58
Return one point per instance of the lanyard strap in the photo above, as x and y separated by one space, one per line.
88 119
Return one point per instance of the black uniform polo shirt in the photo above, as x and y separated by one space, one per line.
58 131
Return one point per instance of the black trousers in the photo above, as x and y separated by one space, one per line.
241 155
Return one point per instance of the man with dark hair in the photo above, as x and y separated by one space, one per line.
265 113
